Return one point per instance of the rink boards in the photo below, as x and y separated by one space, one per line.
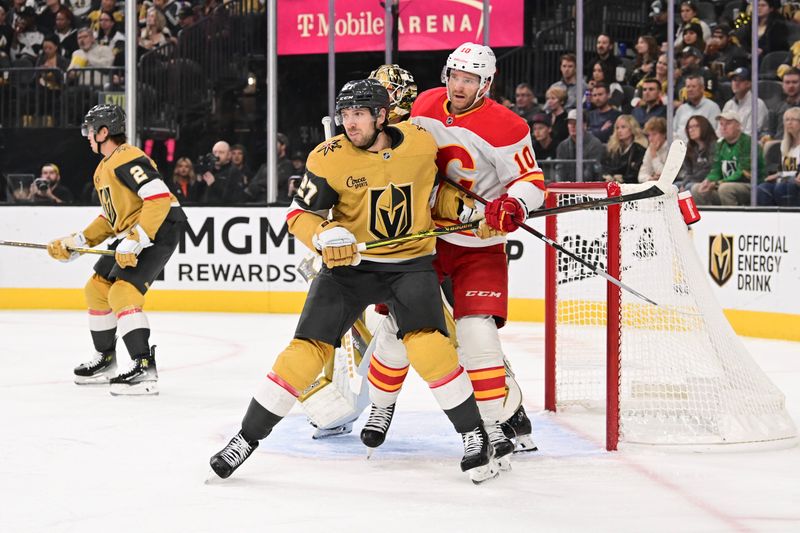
244 260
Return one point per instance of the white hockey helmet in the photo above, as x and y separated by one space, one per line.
475 59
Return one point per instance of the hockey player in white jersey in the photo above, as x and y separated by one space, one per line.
486 148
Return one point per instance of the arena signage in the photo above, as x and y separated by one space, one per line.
303 25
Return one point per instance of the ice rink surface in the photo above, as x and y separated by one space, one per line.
75 459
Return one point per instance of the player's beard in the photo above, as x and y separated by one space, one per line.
366 142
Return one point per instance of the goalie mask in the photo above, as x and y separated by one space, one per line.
109 116
401 87
475 59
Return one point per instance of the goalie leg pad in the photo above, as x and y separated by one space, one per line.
482 356
301 362
326 406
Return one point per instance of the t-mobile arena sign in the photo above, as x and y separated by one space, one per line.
423 25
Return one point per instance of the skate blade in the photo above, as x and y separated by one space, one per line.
101 379
370 451
503 463
480 474
344 429
525 444
143 388
212 478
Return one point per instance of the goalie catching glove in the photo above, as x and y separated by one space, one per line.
129 248
61 248
506 213
337 245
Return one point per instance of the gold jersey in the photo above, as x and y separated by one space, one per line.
374 195
132 192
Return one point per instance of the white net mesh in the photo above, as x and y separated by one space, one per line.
685 377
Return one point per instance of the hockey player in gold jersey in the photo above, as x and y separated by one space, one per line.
376 181
146 219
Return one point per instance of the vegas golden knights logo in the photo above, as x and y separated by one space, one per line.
108 206
720 258
390 211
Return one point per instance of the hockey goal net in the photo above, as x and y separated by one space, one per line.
672 374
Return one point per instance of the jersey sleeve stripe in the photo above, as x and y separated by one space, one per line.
293 213
535 177
157 196
152 188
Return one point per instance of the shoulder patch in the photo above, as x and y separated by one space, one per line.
329 146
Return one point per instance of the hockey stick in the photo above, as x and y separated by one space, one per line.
436 232
673 164
326 127
44 247
558 247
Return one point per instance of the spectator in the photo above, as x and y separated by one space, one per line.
741 103
661 75
727 55
688 15
186 17
651 104
625 151
556 99
657 149
696 104
569 77
543 145
47 188
27 40
772 30
602 117
691 65
108 34
657 26
170 9
604 47
46 19
298 160
154 34
600 74
80 9
593 151
728 182
692 36
646 57
525 102
256 191
238 156
65 30
223 180
106 6
89 55
791 93
50 80
700 152
782 187
184 184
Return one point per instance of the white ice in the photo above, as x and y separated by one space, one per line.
75 459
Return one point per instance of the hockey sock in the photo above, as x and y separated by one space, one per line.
258 422
465 416
103 327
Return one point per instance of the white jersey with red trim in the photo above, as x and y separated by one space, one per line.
487 149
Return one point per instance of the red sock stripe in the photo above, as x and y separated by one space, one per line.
283 384
97 312
130 311
382 386
376 376
448 378
489 384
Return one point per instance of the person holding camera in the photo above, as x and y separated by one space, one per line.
224 181
47 188
145 222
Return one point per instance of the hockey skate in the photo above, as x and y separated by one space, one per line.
98 370
519 428
139 380
228 459
478 456
503 447
374 432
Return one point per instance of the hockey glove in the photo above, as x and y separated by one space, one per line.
337 244
60 248
505 213
128 250
485 231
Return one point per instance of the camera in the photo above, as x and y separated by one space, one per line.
41 184
206 163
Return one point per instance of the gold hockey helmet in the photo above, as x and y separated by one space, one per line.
402 89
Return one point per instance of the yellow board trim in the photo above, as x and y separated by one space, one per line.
747 323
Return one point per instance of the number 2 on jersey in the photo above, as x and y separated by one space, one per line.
307 190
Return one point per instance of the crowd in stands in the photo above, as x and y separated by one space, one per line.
625 104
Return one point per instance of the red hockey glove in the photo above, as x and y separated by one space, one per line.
505 213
